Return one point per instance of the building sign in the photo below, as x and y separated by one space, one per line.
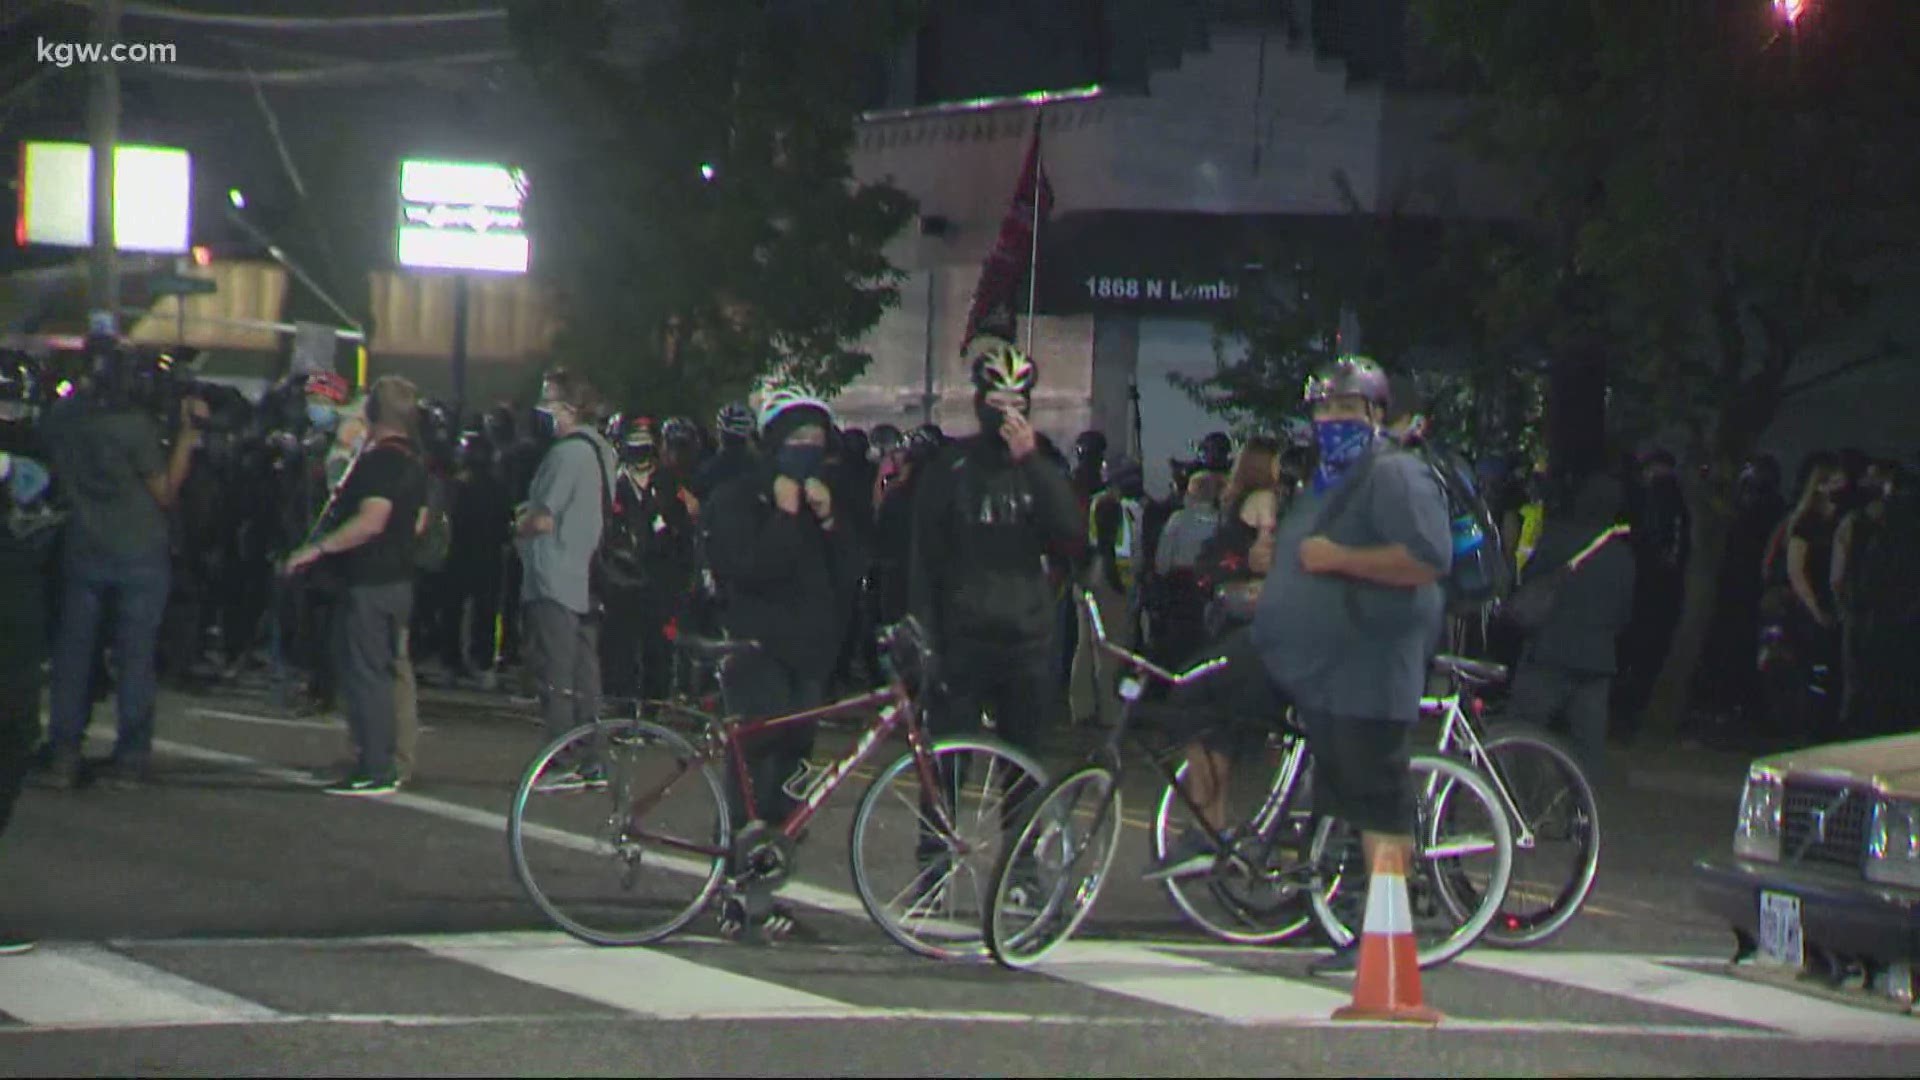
152 197
459 216
1152 289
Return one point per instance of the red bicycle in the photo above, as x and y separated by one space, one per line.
644 799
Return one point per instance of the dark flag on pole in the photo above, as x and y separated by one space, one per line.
997 297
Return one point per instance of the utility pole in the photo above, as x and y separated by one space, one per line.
103 130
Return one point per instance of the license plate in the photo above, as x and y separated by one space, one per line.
1780 938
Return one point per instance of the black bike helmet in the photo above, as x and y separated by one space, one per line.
885 440
1349 376
736 421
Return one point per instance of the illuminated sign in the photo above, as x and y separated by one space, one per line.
152 197
457 216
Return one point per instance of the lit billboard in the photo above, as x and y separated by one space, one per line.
152 197
456 216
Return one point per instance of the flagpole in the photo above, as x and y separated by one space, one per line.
1033 259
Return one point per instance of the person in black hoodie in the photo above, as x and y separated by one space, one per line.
987 512
787 569
1567 666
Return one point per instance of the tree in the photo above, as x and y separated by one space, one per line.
1740 184
693 209
1407 283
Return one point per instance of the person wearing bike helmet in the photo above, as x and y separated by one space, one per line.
650 549
787 567
987 513
1352 610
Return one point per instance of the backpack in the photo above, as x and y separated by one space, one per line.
1481 574
605 574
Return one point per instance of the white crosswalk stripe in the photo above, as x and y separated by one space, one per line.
87 986
92 986
1672 986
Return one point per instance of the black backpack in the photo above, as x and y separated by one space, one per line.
1481 573
607 570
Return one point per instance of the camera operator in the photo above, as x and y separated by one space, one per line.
119 481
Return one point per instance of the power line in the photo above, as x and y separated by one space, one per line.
163 13
303 76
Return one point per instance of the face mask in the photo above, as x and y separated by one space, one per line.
990 418
1342 443
545 426
321 416
799 462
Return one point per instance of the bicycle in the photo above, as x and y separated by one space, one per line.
1503 754
1030 916
697 844
1506 753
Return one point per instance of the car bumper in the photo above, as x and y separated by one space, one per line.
1838 913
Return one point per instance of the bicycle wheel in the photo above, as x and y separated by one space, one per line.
1463 860
1259 896
1556 823
619 832
1048 879
909 872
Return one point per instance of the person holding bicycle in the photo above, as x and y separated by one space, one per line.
787 569
1352 610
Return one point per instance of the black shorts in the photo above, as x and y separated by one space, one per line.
1360 771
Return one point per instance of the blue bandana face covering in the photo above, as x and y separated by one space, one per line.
1342 443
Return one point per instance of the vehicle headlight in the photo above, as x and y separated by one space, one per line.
1893 843
1756 835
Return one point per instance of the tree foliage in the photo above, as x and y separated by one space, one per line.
1407 286
692 207
1720 195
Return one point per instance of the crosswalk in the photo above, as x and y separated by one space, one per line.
521 976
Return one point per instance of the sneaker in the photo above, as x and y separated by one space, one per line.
574 778
364 785
65 771
765 928
125 774
1190 856
14 946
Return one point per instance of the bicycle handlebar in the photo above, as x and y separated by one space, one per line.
1135 660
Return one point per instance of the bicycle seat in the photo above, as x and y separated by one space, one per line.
1475 672
712 649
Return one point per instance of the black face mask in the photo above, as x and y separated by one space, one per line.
799 462
990 418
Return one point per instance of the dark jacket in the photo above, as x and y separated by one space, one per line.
982 525
1596 601
783 581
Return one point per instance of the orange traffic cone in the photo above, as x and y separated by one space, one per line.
1387 986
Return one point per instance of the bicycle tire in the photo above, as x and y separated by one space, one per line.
518 829
1011 947
962 940
1176 889
1511 930
1457 777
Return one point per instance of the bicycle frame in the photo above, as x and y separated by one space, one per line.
1457 727
897 711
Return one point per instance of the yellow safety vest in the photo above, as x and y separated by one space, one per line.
1533 518
1124 544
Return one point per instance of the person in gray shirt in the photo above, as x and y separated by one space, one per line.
557 530
1352 610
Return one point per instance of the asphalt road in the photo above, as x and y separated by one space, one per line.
230 919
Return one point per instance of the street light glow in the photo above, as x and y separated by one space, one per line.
238 200
1790 10
706 172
